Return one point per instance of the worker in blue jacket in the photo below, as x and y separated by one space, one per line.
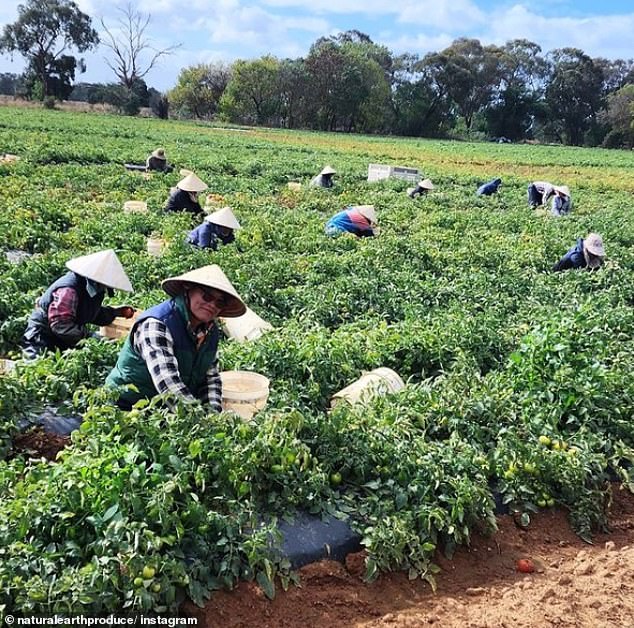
587 253
489 188
216 228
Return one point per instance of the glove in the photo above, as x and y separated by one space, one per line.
125 311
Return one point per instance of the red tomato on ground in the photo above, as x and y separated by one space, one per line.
524 565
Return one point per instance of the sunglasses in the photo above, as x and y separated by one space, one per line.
213 297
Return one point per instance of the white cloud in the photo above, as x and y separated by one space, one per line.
600 35
418 44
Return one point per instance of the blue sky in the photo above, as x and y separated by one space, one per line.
213 30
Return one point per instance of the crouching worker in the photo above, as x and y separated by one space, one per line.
217 227
63 312
587 253
422 187
489 188
358 219
561 203
156 161
324 178
173 346
185 196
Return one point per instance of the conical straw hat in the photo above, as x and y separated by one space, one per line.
223 217
593 244
426 184
191 183
210 277
159 153
367 211
328 170
103 267
562 189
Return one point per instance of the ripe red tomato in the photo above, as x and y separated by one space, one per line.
525 565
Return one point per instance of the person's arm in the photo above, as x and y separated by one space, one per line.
549 190
212 392
572 259
62 317
154 343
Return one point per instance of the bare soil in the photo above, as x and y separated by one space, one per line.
574 584
36 443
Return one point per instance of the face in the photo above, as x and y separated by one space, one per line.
205 304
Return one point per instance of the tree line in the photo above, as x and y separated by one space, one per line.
345 83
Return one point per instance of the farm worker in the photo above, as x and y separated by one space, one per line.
489 188
422 187
561 203
324 178
587 253
358 219
217 227
75 300
158 161
185 196
172 347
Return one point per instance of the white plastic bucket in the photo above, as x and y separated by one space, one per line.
244 392
156 246
6 366
247 327
378 382
135 206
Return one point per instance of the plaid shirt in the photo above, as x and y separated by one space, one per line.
154 343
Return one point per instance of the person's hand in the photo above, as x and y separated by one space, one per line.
125 311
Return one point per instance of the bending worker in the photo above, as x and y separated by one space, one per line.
324 178
487 189
185 196
173 346
587 253
217 227
358 219
69 304
422 187
540 191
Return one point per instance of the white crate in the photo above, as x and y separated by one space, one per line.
377 172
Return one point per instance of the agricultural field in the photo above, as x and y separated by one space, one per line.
519 388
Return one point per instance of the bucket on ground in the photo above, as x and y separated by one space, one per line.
378 382
119 328
135 206
6 366
156 246
244 392
247 327
293 185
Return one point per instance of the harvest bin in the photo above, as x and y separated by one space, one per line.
119 328
244 392
249 326
135 206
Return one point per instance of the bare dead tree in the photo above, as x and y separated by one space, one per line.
130 46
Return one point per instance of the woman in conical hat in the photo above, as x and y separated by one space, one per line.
360 220
69 304
218 226
422 187
173 346
324 178
185 196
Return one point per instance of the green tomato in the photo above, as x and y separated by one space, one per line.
541 503
148 572
335 479
544 440
138 582
156 587
530 468
550 502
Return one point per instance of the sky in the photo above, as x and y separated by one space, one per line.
224 30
